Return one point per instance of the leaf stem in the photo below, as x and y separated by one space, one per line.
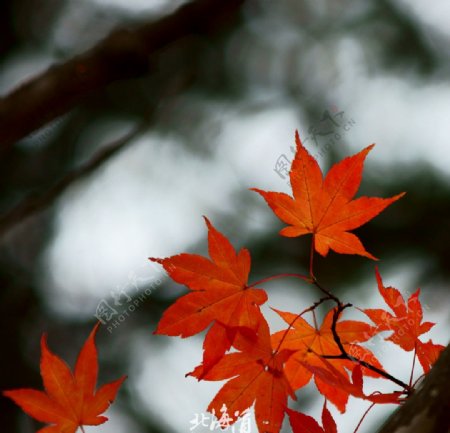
413 365
311 260
315 320
274 277
362 419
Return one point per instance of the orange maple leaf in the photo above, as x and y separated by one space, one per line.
310 344
219 293
302 423
70 399
324 207
257 377
406 323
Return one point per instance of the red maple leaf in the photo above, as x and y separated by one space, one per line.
406 323
302 423
331 375
428 353
219 293
256 377
70 399
310 344
325 207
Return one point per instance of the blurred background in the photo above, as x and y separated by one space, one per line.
128 170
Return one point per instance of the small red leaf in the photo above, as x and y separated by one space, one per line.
406 323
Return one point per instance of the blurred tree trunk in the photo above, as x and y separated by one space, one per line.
428 409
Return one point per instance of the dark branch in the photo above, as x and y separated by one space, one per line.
340 306
344 355
38 202
124 54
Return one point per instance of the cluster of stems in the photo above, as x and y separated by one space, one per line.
340 307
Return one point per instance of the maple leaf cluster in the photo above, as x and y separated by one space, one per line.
263 369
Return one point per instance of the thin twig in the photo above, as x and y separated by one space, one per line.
336 313
315 320
326 292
